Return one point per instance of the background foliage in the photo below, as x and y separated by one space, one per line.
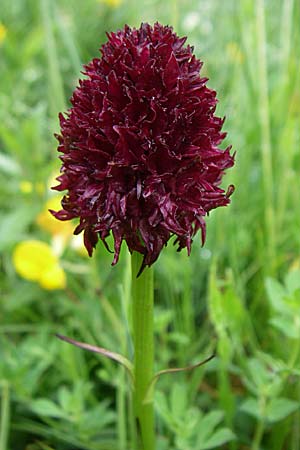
240 293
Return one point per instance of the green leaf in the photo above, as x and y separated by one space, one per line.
178 400
64 398
276 294
251 406
161 406
14 224
286 326
47 408
259 372
275 410
292 281
209 422
279 408
219 438
97 418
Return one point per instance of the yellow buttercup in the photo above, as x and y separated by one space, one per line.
35 261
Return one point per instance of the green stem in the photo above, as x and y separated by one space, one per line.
259 432
142 313
121 400
5 414
121 395
260 428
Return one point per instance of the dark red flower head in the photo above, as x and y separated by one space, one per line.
140 145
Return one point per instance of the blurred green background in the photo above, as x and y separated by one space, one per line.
239 294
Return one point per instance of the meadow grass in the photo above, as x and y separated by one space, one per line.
238 296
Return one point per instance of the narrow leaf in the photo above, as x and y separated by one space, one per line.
102 351
149 395
47 408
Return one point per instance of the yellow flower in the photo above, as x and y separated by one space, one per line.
35 261
26 187
62 232
53 278
47 222
112 3
3 32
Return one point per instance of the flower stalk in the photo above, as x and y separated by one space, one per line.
142 314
